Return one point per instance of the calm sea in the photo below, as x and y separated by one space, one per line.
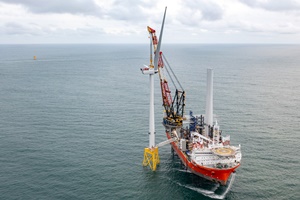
74 122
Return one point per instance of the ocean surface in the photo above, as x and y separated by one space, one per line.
74 122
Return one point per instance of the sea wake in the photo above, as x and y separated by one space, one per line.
211 193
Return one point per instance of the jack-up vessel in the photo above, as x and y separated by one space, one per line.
196 139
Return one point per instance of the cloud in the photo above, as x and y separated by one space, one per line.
125 20
193 12
274 28
286 5
86 7
209 10
126 10
14 28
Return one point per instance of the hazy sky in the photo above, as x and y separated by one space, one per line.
125 21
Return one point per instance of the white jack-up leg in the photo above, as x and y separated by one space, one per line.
209 101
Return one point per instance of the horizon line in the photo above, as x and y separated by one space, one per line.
167 43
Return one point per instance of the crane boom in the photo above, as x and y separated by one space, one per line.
173 107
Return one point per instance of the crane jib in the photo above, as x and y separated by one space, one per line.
174 107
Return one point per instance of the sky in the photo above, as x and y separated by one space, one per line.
125 21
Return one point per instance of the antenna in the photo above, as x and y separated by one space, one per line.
159 42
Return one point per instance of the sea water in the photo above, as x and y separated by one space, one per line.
74 122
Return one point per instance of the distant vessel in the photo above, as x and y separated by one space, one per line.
200 145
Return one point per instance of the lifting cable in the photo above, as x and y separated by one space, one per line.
172 73
166 67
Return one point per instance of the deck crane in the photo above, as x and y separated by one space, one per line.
173 108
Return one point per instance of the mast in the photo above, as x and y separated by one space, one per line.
209 102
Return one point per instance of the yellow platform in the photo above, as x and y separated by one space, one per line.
151 158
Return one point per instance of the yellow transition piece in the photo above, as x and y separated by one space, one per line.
151 157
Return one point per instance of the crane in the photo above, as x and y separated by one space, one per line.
173 107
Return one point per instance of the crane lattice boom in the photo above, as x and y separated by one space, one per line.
174 107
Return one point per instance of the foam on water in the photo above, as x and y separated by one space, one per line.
199 190
211 193
185 171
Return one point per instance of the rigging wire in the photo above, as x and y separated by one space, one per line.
166 67
172 73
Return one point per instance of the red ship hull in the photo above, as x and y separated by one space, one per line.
213 174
